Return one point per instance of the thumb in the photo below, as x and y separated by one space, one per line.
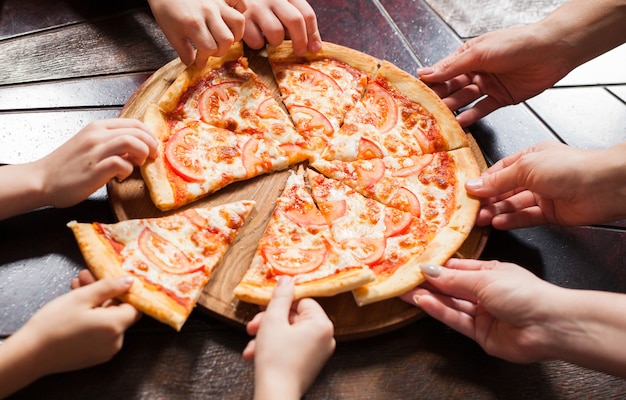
459 62
280 304
105 289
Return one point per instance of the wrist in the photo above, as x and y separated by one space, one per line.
275 385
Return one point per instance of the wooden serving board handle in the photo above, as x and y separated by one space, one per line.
130 199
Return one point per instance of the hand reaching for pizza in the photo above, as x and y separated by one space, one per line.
211 25
506 67
552 183
101 151
71 332
512 65
291 346
514 315
275 20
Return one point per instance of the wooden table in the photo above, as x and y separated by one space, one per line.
65 63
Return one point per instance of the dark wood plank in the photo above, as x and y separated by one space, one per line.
106 91
129 42
23 16
361 26
428 35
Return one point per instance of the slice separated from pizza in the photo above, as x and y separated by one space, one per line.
171 257
297 242
398 116
318 89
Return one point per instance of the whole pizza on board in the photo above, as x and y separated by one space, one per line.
378 165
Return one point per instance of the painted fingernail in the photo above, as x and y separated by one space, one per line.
425 71
474 183
431 270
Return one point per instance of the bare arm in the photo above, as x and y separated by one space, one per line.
99 152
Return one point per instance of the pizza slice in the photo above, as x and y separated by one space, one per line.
210 124
390 241
198 159
171 257
429 186
318 89
297 242
398 116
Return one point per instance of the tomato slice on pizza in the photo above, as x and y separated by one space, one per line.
172 258
297 242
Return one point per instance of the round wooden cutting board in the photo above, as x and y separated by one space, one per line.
130 199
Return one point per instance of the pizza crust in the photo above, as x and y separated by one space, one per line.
417 91
409 275
343 281
154 172
354 58
467 206
104 263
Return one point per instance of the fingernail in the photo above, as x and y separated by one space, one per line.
127 280
284 280
474 183
431 270
425 71
416 299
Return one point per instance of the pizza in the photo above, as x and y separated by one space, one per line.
171 257
397 116
390 241
215 126
377 169
319 89
298 242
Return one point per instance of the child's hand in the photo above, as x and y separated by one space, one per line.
211 25
275 20
101 151
291 345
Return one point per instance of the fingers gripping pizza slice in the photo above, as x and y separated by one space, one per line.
171 257
298 242
319 89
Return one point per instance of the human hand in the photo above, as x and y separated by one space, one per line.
211 25
502 306
81 328
274 20
506 67
102 150
291 346
552 183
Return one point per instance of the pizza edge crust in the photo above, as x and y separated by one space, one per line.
354 58
250 291
419 92
103 262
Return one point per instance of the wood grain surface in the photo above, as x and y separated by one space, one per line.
131 199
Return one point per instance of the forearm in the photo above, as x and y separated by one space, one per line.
18 355
21 189
589 329
605 174
583 29
274 386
